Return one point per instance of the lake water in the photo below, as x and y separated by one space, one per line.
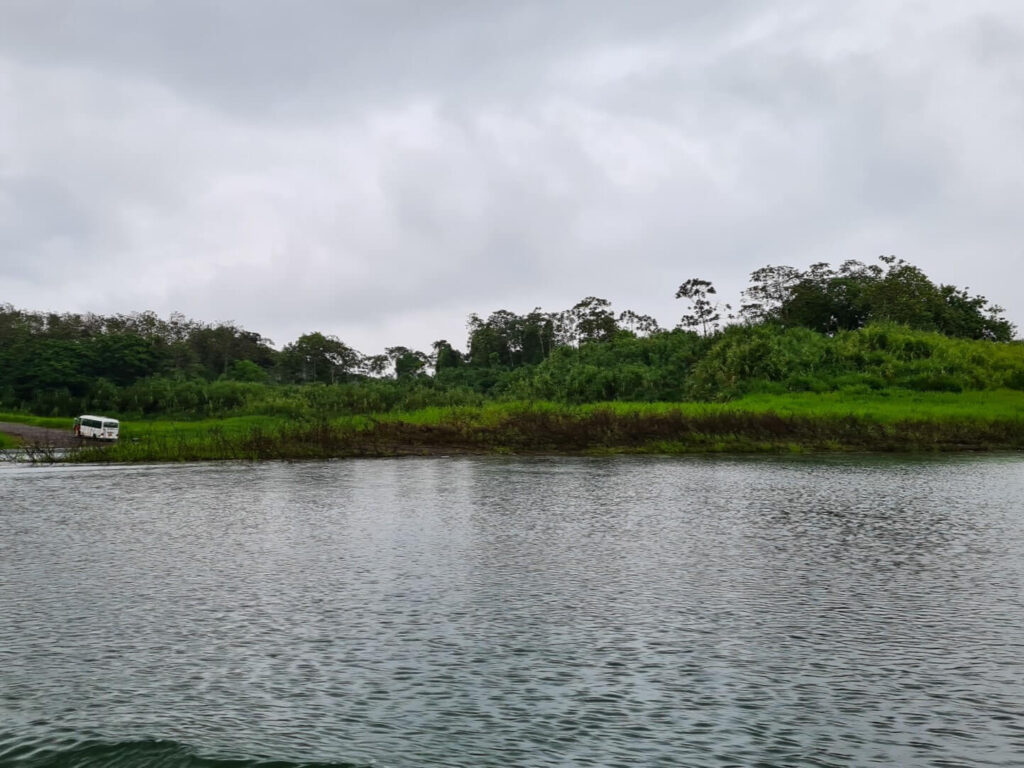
515 612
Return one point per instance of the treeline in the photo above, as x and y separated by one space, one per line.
821 328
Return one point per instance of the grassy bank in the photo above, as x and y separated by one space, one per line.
887 421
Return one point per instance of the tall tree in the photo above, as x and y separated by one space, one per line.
637 324
407 362
705 313
445 356
537 339
316 357
770 288
593 319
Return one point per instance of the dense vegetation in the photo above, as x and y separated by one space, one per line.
853 329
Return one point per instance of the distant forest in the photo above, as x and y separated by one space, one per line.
821 328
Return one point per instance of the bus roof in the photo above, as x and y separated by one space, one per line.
100 418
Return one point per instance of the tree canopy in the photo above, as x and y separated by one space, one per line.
827 300
61 362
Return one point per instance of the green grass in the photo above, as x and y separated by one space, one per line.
234 425
892 405
137 428
887 406
888 421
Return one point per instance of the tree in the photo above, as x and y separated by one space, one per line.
445 356
407 362
771 287
639 325
537 337
830 300
245 370
972 317
705 314
489 341
217 346
316 357
123 357
375 365
593 320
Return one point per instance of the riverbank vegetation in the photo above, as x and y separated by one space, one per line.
899 421
809 358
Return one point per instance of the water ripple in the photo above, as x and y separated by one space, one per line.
495 612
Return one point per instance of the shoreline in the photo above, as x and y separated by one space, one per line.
769 434
784 425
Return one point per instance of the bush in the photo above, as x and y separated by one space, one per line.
1015 379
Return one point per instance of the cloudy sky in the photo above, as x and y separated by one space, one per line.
378 169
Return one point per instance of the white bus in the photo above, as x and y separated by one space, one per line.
97 427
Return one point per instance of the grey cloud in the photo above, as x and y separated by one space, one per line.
375 168
38 214
266 56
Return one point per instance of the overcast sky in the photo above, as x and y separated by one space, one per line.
378 169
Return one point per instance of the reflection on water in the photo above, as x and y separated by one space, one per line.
479 612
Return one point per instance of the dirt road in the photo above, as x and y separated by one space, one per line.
41 436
